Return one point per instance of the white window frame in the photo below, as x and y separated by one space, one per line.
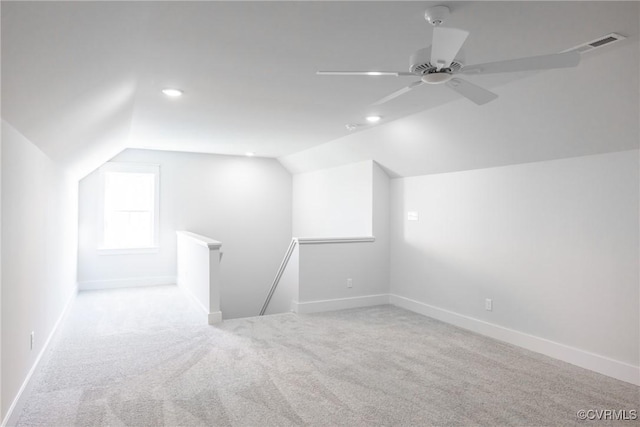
131 168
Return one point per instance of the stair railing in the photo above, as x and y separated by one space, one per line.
276 280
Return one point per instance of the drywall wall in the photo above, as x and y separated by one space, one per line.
554 244
333 202
245 203
39 225
325 267
381 223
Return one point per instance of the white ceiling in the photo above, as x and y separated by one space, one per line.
82 80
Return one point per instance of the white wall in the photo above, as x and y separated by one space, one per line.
39 237
333 202
554 244
243 202
324 268
381 223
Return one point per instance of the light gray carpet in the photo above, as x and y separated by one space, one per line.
143 357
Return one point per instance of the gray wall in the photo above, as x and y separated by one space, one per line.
325 268
333 202
554 244
39 237
243 202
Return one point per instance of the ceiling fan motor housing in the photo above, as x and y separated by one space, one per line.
420 63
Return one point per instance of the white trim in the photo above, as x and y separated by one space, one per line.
322 240
131 282
129 167
130 251
201 240
214 317
338 304
584 359
34 367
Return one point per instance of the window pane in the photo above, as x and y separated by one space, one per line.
129 191
129 230
129 210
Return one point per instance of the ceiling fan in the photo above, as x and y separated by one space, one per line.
438 64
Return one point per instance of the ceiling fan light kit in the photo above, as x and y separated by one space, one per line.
439 63
436 78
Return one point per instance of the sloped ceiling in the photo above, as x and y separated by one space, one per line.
545 116
82 80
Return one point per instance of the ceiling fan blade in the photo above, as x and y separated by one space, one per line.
446 44
364 73
543 62
398 93
470 91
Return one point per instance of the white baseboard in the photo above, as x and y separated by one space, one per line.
133 282
584 359
214 317
338 304
16 401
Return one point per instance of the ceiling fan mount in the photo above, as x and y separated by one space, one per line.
436 15
441 63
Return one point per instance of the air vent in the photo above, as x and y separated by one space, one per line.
603 41
597 43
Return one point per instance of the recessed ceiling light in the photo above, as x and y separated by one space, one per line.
373 119
173 93
249 154
374 73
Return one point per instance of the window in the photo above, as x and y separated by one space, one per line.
129 207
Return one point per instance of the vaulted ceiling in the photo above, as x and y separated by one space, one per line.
83 81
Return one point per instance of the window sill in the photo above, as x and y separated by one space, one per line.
127 251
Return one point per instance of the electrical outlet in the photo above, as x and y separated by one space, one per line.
349 283
32 338
488 304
